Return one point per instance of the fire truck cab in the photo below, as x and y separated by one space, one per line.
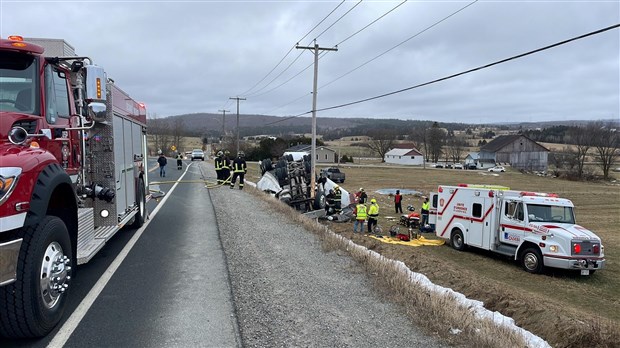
72 174
537 229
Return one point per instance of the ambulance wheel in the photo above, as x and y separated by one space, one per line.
457 241
140 217
33 304
531 260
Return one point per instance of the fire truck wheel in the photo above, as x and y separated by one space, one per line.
457 241
140 216
531 260
36 301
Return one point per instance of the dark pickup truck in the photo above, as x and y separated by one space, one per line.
334 174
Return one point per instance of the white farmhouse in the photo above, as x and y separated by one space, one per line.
405 156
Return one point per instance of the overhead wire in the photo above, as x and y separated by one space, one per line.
400 44
254 94
293 47
323 53
474 69
596 32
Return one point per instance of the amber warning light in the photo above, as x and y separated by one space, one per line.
17 41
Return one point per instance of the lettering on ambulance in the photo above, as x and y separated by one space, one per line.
460 208
486 214
512 237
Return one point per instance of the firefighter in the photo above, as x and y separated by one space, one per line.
239 169
219 162
226 167
373 215
337 199
425 208
329 202
179 160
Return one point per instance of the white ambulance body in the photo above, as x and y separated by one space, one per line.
537 229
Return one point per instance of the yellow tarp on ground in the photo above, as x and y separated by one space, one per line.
414 242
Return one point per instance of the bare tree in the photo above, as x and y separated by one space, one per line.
177 132
606 145
582 139
455 146
436 137
382 141
419 138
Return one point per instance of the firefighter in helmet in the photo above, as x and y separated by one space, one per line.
219 162
226 167
337 199
239 169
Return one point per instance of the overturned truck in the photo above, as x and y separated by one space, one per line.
289 180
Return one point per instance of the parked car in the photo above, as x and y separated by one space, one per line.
471 166
449 165
497 169
198 154
458 166
333 174
438 165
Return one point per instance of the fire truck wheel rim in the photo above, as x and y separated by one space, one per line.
54 274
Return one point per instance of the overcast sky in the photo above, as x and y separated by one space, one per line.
191 56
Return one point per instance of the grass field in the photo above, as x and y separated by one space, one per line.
563 307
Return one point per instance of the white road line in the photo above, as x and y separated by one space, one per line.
76 317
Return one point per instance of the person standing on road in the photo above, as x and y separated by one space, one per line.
179 161
425 209
218 162
239 170
226 168
361 215
162 161
398 198
373 215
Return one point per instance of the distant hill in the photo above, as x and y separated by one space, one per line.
199 124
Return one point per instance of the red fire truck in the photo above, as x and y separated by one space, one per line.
72 174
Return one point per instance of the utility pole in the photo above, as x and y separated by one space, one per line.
316 50
237 99
223 122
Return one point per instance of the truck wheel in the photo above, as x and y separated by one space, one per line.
35 303
532 261
140 217
457 241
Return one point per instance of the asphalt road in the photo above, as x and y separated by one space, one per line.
213 268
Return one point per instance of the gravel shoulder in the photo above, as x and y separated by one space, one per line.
289 292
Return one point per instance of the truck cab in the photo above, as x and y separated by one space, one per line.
72 174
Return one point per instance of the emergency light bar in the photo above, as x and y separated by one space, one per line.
539 194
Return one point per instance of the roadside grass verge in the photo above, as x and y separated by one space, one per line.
439 313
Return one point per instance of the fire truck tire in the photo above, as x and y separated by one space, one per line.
532 260
30 306
140 216
457 241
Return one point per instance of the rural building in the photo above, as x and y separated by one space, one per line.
323 154
473 158
405 155
517 150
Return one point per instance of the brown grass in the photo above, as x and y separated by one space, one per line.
565 309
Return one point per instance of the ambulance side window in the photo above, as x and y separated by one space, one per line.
510 208
519 212
476 210
434 203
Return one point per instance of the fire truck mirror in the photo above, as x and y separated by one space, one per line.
97 111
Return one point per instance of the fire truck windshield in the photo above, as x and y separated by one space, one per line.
550 213
18 83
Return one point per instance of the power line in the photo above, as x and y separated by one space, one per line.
459 74
338 20
291 49
323 53
400 44
474 69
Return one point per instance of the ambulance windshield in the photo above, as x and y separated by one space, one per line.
550 213
18 83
